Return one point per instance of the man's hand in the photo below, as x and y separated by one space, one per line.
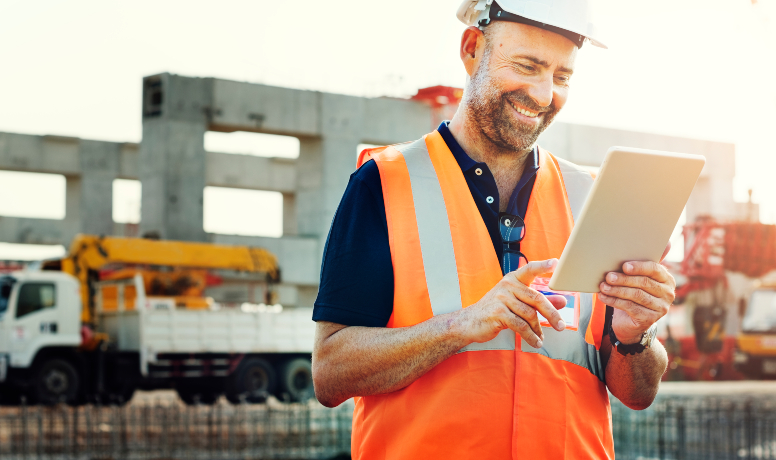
363 361
511 304
640 295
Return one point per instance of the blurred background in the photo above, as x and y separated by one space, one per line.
235 126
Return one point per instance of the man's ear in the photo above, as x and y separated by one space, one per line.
472 48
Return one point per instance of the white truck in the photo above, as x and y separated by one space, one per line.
134 340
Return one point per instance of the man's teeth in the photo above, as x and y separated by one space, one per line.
525 112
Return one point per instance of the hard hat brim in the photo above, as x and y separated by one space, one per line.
569 16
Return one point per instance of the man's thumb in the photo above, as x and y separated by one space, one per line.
531 270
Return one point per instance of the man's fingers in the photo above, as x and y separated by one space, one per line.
531 270
524 312
523 277
640 282
557 301
651 269
523 329
635 295
638 313
540 303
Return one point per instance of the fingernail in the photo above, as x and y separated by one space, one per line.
605 287
629 267
549 263
538 343
561 325
612 277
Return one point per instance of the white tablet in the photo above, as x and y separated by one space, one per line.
630 213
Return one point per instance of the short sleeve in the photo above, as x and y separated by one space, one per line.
356 286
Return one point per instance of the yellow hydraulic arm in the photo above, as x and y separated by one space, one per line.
89 253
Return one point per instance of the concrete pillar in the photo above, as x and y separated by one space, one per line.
72 223
325 164
289 214
99 166
309 182
172 156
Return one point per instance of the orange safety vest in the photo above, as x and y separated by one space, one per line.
492 400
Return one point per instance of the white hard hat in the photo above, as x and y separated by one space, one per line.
567 17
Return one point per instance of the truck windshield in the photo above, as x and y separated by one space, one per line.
761 312
6 285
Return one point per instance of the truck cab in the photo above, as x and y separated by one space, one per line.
39 333
755 355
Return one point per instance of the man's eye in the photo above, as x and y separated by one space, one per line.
527 68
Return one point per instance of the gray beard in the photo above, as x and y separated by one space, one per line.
490 111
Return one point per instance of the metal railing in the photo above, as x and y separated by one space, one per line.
170 430
689 428
684 428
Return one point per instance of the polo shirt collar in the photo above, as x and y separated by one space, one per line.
466 163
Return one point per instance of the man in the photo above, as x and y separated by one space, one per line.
422 316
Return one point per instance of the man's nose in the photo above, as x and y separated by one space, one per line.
541 92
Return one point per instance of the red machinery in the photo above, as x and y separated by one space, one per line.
712 249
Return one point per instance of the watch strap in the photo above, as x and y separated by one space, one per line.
631 348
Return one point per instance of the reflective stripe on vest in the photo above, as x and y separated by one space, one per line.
494 399
436 242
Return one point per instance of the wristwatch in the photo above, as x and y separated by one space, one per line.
633 348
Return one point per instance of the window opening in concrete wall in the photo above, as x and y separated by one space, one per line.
127 195
244 143
25 252
32 195
232 211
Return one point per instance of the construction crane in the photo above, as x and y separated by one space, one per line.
713 250
153 259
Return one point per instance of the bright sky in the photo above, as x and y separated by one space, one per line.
694 68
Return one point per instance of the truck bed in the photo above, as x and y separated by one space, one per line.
153 331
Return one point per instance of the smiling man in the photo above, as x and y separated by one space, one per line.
432 312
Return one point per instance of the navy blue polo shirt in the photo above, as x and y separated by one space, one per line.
357 272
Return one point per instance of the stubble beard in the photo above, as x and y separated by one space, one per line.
491 111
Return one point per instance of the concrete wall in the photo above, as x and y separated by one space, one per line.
174 167
713 194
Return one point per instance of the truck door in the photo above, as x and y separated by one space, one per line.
6 287
34 320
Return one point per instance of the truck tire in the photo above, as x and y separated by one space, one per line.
56 381
296 380
121 396
253 381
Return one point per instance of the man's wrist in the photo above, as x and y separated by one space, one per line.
456 327
626 348
630 340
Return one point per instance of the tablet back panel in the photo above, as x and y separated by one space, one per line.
630 213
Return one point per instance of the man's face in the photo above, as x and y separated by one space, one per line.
520 84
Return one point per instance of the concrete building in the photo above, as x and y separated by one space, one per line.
174 167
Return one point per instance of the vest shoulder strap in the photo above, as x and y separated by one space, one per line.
578 182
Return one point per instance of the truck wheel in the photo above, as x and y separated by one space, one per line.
296 380
254 380
121 396
56 381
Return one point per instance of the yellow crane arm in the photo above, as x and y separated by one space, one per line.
94 252
89 253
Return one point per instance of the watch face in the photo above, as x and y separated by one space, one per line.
649 336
